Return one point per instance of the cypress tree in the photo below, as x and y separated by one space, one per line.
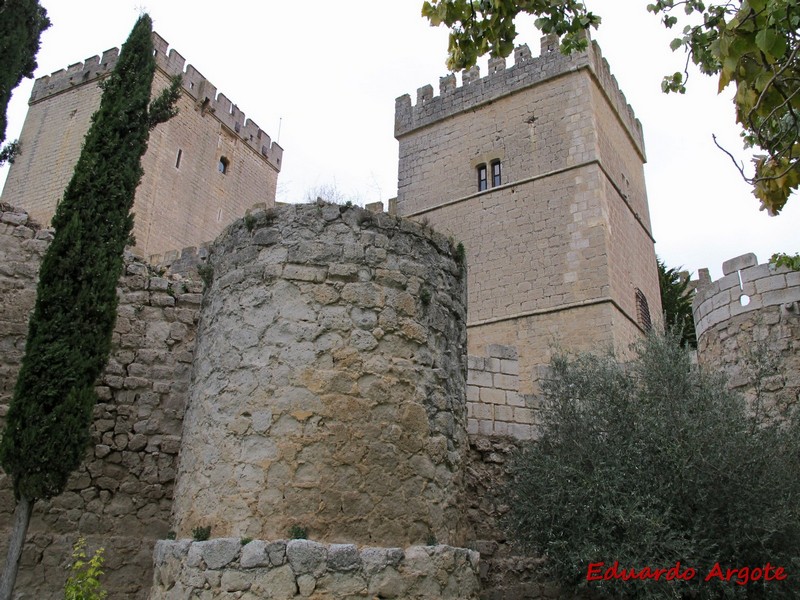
21 23
676 302
69 337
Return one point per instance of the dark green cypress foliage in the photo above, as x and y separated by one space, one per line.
676 302
69 338
21 23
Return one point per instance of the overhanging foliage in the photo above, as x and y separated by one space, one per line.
750 43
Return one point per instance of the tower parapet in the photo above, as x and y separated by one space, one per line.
745 287
502 81
194 84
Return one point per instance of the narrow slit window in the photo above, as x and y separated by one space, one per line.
222 167
178 159
496 178
482 178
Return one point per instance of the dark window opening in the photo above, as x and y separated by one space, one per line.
496 179
222 167
482 178
643 311
178 159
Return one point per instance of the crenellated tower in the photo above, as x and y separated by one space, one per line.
538 169
202 169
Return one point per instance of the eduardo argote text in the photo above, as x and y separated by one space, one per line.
599 571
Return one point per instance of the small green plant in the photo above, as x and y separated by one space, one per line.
296 532
425 296
250 222
206 273
201 534
84 581
170 535
431 540
246 540
461 254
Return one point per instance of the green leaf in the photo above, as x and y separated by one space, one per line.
770 43
675 44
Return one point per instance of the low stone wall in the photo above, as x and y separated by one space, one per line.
227 568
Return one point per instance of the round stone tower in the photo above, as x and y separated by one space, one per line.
329 382
748 327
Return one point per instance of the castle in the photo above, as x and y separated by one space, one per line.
355 373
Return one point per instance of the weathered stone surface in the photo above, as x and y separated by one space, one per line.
308 389
255 554
306 556
343 557
218 553
767 326
120 498
421 572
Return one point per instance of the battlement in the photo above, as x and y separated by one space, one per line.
501 81
195 85
746 286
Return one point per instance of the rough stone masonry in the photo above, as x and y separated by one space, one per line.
329 382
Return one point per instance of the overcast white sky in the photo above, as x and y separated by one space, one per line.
326 75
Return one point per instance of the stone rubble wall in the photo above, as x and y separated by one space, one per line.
329 382
121 496
748 317
505 572
230 568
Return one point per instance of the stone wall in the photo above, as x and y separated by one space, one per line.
505 572
748 325
494 403
329 385
231 568
183 199
121 496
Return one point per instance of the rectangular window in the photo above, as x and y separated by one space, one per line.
482 178
496 179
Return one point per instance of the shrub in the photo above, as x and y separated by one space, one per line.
201 534
84 582
652 463
297 532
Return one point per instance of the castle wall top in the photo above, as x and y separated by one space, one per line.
746 286
194 84
526 71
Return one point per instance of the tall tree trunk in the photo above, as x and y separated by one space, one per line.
22 516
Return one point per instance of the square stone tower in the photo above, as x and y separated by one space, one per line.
538 170
202 170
